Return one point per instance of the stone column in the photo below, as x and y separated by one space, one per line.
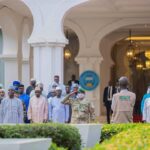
93 64
48 61
31 63
48 38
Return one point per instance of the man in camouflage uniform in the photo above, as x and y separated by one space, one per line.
82 109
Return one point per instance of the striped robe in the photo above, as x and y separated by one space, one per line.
12 111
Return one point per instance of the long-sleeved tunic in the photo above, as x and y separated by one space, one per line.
38 109
12 110
58 112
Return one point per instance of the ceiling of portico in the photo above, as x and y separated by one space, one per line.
16 5
112 8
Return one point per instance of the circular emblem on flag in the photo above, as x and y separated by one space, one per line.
89 80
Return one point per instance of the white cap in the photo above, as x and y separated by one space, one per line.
54 84
37 89
39 84
32 79
58 88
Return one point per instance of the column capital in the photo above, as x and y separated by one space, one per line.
89 60
48 17
48 44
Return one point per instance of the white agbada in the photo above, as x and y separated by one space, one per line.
12 110
146 110
58 112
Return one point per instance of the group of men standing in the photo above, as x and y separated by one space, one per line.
63 104
60 105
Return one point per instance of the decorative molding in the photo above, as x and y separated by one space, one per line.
8 57
95 15
89 60
25 61
48 44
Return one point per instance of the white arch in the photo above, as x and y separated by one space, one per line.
11 24
48 19
116 25
78 30
107 63
9 30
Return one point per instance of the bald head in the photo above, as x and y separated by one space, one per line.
123 82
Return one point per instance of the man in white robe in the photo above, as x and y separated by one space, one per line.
58 112
12 108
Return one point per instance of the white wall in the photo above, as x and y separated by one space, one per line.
10 71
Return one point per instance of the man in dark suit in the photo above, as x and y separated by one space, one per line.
73 81
107 99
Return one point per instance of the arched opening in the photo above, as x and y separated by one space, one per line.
14 39
117 64
139 77
70 65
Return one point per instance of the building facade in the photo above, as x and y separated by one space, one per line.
32 38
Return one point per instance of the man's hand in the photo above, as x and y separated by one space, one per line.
72 93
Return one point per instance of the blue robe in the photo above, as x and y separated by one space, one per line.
147 95
25 99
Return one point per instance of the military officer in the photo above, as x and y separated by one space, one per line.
82 109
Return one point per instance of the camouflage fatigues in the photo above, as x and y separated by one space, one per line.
81 110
